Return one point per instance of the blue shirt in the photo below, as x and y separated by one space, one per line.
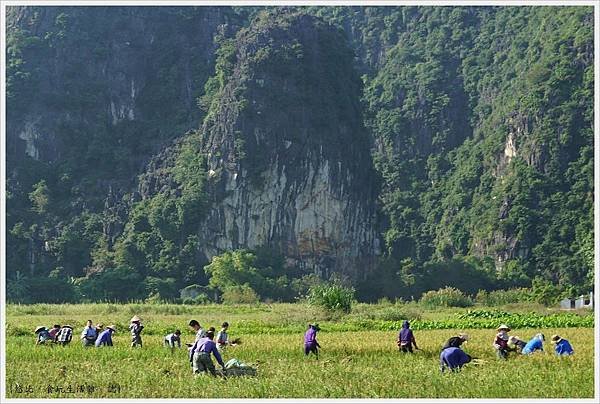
453 358
563 347
105 338
533 345
208 346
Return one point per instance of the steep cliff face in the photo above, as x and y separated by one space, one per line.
287 153
80 79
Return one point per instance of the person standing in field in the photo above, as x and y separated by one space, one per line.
105 337
200 355
310 340
197 328
406 339
172 339
561 346
501 342
534 344
42 335
456 342
54 332
453 358
136 330
88 335
65 335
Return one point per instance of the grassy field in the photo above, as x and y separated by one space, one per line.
353 363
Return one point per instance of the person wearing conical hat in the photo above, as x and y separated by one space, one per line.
43 335
136 329
561 346
105 337
501 341
65 335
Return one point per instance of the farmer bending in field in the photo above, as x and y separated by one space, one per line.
173 338
65 335
42 335
501 342
453 358
534 344
456 342
89 334
136 330
310 340
54 332
406 339
200 355
105 337
516 344
561 346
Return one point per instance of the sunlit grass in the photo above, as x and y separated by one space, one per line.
352 364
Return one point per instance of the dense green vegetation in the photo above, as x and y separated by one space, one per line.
481 122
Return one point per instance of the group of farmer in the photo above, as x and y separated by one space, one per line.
98 336
503 344
452 357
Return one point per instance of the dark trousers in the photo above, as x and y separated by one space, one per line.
308 348
202 363
136 340
406 348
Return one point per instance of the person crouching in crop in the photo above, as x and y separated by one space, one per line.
406 338
501 342
534 344
42 335
136 330
310 340
89 334
453 358
172 339
456 342
105 337
65 335
561 346
516 344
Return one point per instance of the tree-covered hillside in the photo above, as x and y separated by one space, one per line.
141 142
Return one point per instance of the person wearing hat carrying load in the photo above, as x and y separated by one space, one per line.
406 339
501 341
201 361
516 344
65 335
453 358
105 337
456 342
310 340
136 329
534 344
561 346
89 335
42 335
